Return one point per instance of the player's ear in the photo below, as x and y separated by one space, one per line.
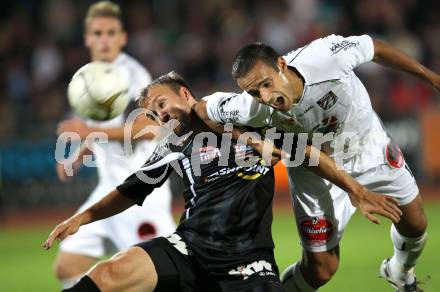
124 38
185 93
87 40
281 63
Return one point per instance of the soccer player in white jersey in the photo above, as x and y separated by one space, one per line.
314 90
105 38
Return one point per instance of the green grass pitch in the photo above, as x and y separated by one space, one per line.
25 266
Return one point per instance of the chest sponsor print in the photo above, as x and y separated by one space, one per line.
328 101
209 153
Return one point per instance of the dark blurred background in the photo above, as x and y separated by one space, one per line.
41 46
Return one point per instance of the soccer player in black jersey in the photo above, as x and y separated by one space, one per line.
223 241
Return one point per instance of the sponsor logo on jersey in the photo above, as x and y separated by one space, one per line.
344 45
228 116
328 100
261 268
248 173
178 243
394 155
209 153
316 231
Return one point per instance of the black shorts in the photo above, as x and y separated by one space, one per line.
178 269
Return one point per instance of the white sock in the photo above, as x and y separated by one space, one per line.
293 280
67 283
406 252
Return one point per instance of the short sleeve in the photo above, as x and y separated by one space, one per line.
151 175
238 109
350 52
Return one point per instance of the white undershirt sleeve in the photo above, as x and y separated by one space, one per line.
238 109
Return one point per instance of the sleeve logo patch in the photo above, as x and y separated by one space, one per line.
344 45
394 155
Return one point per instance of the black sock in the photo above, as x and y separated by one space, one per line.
86 284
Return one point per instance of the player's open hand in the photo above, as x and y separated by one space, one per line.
61 170
370 203
61 231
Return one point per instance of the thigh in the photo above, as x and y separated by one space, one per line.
129 270
397 182
255 285
174 266
322 210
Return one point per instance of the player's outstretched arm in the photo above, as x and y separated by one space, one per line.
367 202
389 56
108 206
116 133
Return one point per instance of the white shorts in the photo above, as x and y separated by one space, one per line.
322 210
138 223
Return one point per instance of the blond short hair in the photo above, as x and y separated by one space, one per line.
103 9
172 79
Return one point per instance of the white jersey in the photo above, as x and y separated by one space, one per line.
138 223
112 163
334 99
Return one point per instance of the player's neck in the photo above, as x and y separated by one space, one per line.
298 84
109 60
192 124
197 125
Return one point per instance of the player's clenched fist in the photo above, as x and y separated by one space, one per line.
61 231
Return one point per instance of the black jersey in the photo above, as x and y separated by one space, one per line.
228 209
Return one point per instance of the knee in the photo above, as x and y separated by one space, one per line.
423 226
321 273
416 228
104 274
324 273
62 271
419 226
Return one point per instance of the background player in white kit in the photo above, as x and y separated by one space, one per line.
314 90
105 38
